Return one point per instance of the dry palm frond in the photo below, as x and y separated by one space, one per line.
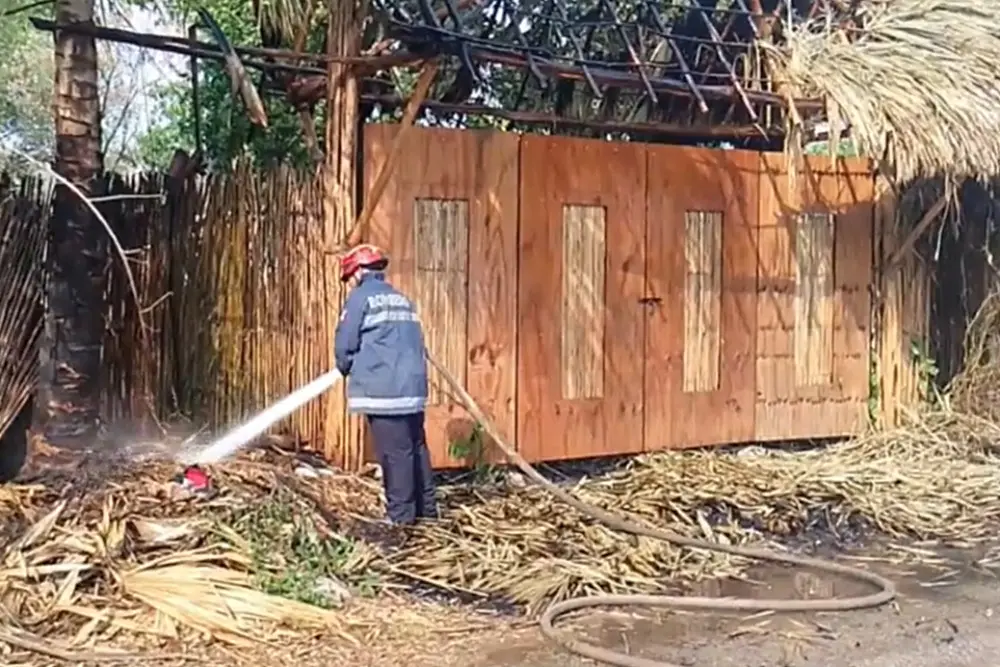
219 601
125 553
918 82
119 561
285 18
103 558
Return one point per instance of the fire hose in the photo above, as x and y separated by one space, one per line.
886 589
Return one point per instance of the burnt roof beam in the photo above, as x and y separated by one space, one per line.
571 36
735 80
441 34
681 61
614 77
551 120
190 47
523 41
751 18
686 70
620 29
427 36
708 70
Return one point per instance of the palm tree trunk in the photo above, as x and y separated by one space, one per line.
70 354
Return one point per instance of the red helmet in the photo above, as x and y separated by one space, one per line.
361 256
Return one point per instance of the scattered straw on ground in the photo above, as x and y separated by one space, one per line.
937 478
133 552
92 558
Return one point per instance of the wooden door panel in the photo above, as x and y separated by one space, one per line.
449 221
581 280
702 279
813 351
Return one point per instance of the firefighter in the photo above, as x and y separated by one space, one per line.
379 348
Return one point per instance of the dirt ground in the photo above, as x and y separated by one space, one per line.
945 616
949 622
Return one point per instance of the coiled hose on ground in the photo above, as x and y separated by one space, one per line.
886 589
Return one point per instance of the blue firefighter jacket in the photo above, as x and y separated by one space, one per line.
379 347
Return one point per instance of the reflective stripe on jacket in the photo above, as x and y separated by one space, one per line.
379 347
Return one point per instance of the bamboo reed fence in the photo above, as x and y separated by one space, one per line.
22 247
245 321
237 300
232 302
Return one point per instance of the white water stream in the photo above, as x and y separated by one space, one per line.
242 435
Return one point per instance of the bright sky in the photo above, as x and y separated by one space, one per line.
150 69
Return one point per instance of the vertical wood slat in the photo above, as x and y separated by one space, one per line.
726 185
814 298
441 285
582 305
787 407
482 169
492 328
556 171
703 300
905 291
852 296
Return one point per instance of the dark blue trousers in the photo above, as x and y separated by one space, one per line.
401 448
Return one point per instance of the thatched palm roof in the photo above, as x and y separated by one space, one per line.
917 81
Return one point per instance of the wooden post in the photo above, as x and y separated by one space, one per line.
71 375
930 217
343 436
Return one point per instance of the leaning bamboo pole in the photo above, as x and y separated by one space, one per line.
903 308
388 166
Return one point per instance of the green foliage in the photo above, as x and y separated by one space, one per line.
226 131
472 450
846 148
927 372
291 559
26 73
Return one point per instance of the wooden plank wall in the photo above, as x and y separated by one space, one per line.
580 298
684 185
449 220
813 307
610 298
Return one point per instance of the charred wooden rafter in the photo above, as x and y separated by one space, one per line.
612 65
691 64
278 60
699 132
